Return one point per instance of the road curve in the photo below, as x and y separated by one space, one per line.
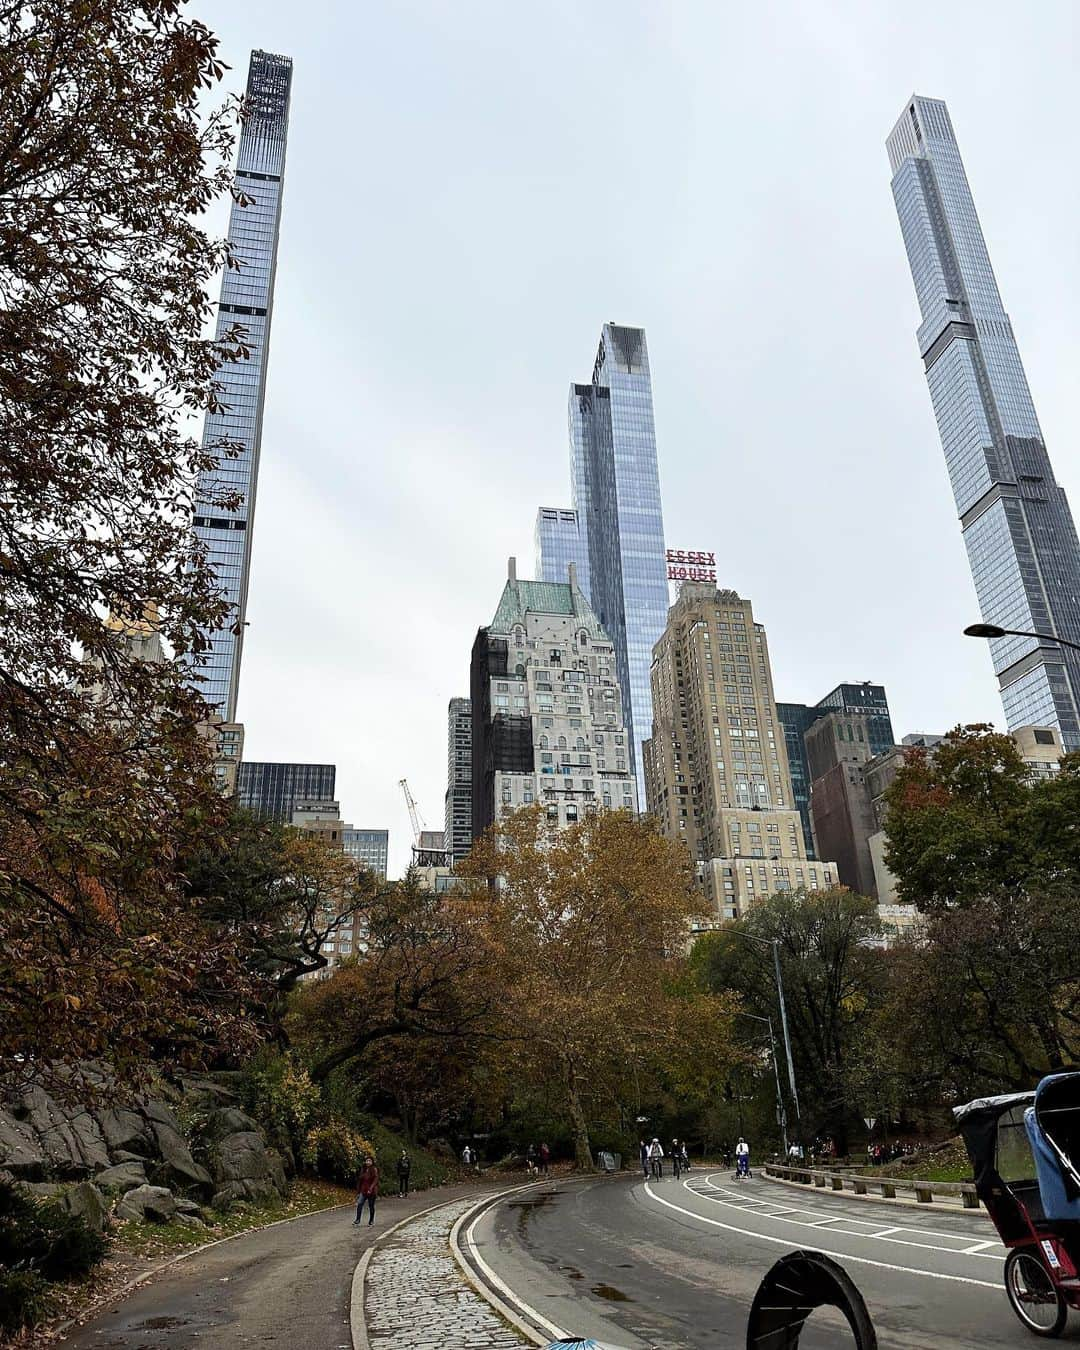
671 1265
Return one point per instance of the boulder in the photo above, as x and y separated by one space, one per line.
86 1201
123 1156
155 1204
125 1132
124 1176
160 1113
228 1120
177 1163
20 1149
72 1145
41 1190
243 1170
206 1094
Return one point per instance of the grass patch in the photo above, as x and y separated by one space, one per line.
162 1240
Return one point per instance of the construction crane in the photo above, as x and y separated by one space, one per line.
423 854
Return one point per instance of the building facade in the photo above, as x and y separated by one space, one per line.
716 765
838 748
369 847
274 790
458 816
614 535
247 298
1018 530
548 718
860 699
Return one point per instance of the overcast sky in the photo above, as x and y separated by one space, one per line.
473 188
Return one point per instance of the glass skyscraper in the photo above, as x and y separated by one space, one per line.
1018 529
615 532
247 298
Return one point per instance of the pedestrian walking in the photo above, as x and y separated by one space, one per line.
545 1159
367 1191
656 1160
676 1159
404 1167
643 1149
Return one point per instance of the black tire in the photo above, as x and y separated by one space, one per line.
1029 1286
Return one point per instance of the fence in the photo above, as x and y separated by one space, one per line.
889 1188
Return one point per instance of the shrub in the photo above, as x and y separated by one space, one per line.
45 1238
281 1096
24 1299
336 1151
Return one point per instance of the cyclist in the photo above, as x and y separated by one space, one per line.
656 1160
676 1159
742 1158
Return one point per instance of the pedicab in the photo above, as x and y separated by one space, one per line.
1025 1151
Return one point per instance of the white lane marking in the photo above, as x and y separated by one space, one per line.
886 1231
837 1256
922 1232
977 1247
515 1300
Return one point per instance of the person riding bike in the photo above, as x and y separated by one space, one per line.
676 1159
742 1158
656 1160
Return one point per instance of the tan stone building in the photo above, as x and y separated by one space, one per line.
716 767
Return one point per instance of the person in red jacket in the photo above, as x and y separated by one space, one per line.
367 1191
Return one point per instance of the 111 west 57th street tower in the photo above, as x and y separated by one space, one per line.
1018 529
247 298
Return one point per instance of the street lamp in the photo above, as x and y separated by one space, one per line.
774 943
991 630
781 1114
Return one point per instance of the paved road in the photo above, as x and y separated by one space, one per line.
286 1286
674 1265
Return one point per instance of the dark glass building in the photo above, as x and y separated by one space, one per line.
247 298
1018 530
614 535
458 817
273 790
798 718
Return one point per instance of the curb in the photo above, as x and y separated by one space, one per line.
875 1199
118 1295
487 1291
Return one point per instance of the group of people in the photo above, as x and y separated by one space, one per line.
537 1160
879 1154
652 1159
367 1185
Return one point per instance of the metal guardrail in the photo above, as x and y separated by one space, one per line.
886 1187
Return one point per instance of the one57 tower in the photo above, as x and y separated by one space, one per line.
1018 529
247 298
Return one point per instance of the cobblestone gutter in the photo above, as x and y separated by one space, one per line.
416 1298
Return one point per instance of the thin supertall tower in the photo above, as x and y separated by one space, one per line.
247 298
1018 529
614 534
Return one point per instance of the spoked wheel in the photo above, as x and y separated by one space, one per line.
1035 1298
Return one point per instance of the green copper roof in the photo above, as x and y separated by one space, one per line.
543 597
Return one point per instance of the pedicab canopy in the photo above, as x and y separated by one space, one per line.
978 1122
1053 1128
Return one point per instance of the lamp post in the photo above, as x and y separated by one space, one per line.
774 943
781 1113
991 630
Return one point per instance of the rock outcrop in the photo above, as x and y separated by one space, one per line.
136 1153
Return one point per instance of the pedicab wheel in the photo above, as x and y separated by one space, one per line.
1035 1299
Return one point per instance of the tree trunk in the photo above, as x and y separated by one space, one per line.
582 1150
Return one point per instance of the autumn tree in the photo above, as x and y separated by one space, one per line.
108 164
834 981
589 924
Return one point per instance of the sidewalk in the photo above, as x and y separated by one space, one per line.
416 1298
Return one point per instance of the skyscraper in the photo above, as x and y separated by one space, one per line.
273 790
548 721
615 533
798 718
458 817
716 765
1018 529
247 298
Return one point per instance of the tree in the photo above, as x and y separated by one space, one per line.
284 892
833 982
107 165
426 974
589 925
953 818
